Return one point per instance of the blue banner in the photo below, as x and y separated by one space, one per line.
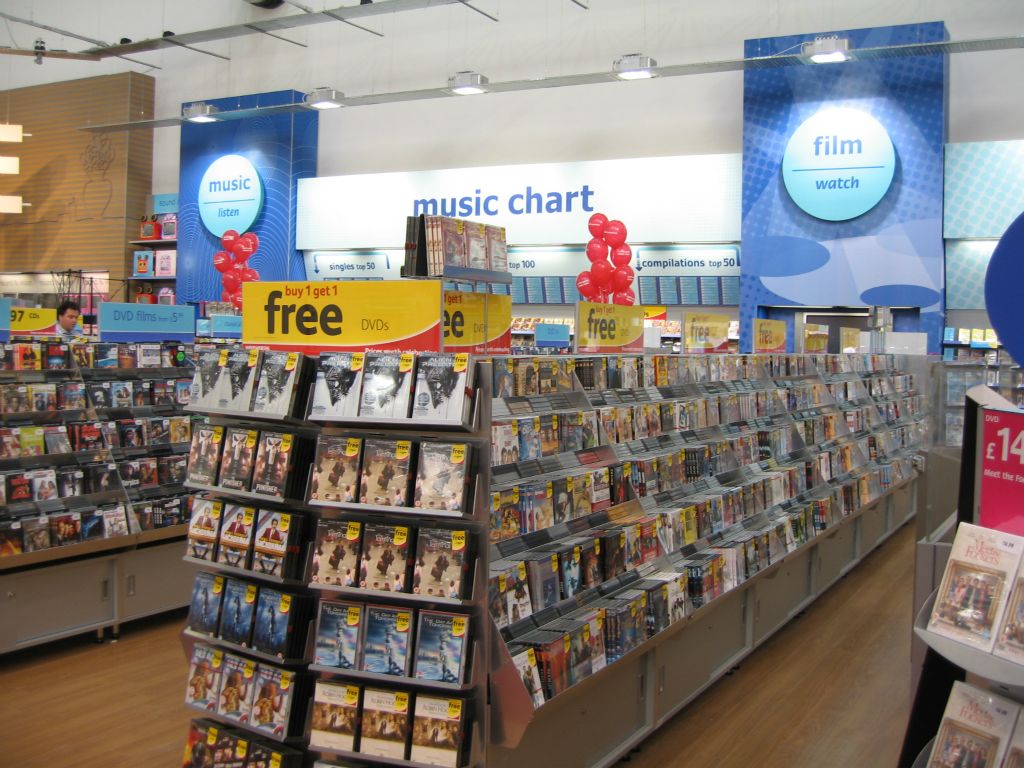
5 320
147 322
226 326
551 335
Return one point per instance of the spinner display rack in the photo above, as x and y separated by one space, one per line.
472 688
102 580
744 617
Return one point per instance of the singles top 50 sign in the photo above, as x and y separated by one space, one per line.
230 195
838 164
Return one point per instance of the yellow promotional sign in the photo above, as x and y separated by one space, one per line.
27 321
849 339
609 328
477 322
655 313
381 314
769 335
704 332
815 339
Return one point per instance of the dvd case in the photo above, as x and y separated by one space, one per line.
441 565
975 730
441 476
337 388
237 676
441 646
273 695
280 378
278 616
387 383
338 635
335 710
384 478
204 454
236 532
236 380
387 636
204 677
336 553
273 464
276 548
204 609
385 556
385 723
335 474
438 731
237 458
441 392
237 611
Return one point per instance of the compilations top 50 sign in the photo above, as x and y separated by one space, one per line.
838 164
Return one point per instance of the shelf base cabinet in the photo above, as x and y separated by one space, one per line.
596 723
39 605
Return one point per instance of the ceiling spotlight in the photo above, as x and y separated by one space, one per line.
634 66
200 112
324 98
826 50
467 83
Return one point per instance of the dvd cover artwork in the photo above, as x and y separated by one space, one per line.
235 689
387 379
385 725
273 463
441 646
278 379
274 532
272 695
237 459
236 381
204 677
336 390
204 454
203 528
204 609
237 611
335 709
338 635
437 731
335 475
274 622
386 640
385 472
441 476
440 563
236 535
385 557
440 391
336 556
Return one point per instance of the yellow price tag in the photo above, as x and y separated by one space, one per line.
405 363
458 454
627 468
351 695
285 521
566 644
515 427
495 501
250 593
249 669
643 600
352 446
502 583
250 438
554 563
515 495
401 535
622 539
286 442
215 509
223 359
531 656
458 626
241 748
354 613
211 735
550 489
632 609
461 362
664 591
586 632
554 420
536 423
275 760
292 360
600 619
575 554
218 657
402 449
569 485
597 546
254 357
352 532
218 585
521 570
286 603
402 621
454 709
247 515
286 680
218 434
458 541
401 701
357 361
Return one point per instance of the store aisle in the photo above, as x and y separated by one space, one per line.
831 689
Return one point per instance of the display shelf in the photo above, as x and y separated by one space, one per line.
153 279
157 241
922 757
361 757
120 374
406 513
294 740
539 405
248 416
400 681
35 376
244 650
363 424
244 572
93 547
964 656
115 413
54 460
246 495
155 492
398 597
42 418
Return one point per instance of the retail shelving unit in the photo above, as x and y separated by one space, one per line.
612 710
153 280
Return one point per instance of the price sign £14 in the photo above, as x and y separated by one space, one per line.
1002 472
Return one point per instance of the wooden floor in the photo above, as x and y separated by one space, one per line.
830 689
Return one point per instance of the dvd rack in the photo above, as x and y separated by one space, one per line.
306 584
796 395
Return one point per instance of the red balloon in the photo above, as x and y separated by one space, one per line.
585 285
626 298
228 239
622 277
597 250
236 300
221 261
601 297
597 224
226 295
253 240
601 272
243 250
250 275
231 281
621 255
614 233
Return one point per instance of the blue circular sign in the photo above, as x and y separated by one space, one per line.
1004 290
230 195
838 164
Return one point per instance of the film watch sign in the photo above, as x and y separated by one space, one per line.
353 316
838 164
230 195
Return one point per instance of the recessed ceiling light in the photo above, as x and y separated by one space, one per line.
324 98
200 112
634 66
467 83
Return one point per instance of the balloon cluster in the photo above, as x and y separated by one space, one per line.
607 280
232 263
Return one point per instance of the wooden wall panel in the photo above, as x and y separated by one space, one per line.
87 190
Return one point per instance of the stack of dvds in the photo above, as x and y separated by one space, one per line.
389 385
129 356
429 561
210 743
390 472
247 461
532 437
242 381
435 242
355 719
